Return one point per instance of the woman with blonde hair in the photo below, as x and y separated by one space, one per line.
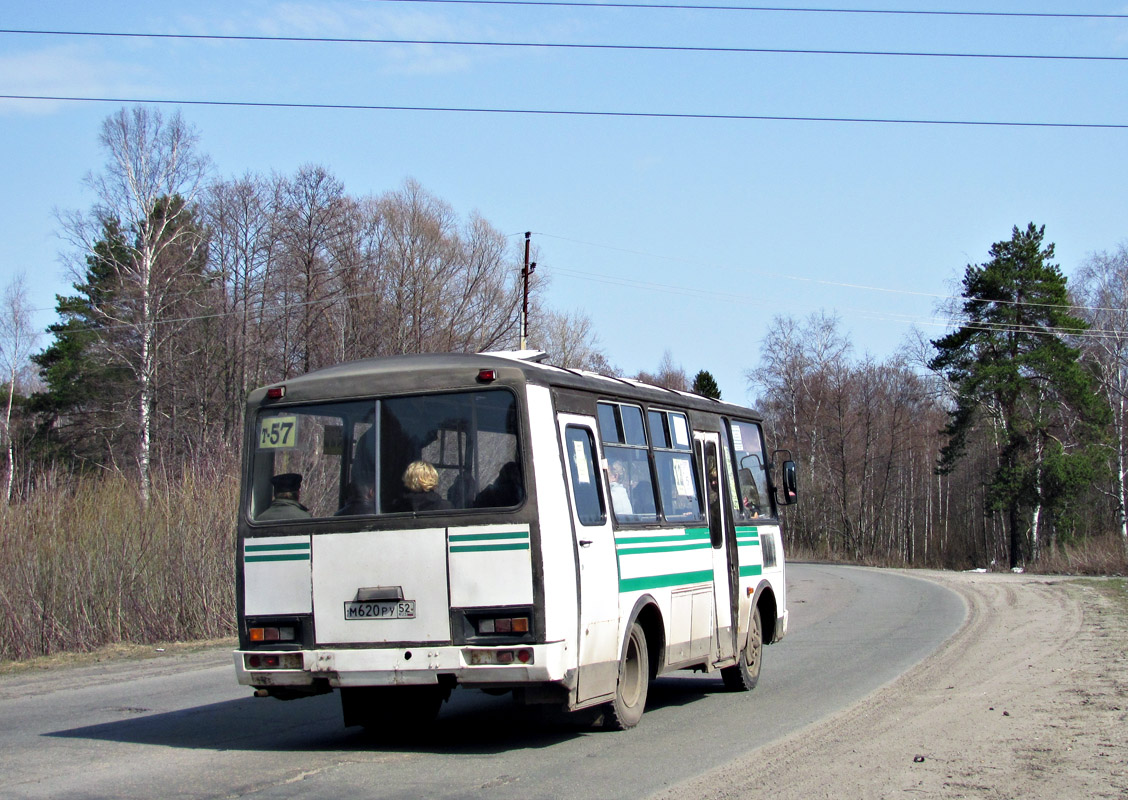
420 480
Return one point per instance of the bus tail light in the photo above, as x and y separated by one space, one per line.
498 656
487 375
254 661
492 625
280 634
275 392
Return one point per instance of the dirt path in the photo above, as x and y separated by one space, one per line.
1028 700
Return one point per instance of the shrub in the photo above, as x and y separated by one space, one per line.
84 563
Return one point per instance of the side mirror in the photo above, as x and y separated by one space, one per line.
787 494
790 485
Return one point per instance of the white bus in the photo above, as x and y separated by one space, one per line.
413 524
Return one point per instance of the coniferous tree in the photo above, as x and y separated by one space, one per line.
706 385
84 390
1009 363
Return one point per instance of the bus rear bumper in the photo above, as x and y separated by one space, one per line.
467 665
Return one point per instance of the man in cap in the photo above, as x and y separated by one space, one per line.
285 506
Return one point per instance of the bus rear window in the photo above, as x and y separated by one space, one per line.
403 455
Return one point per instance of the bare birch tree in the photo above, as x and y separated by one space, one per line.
241 227
1102 291
570 340
17 340
149 187
669 375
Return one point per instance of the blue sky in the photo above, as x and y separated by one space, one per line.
679 234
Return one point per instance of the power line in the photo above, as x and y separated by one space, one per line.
772 9
933 321
570 113
704 294
567 45
791 276
945 322
942 320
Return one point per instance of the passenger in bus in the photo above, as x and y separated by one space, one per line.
420 480
463 492
358 499
620 494
506 490
749 493
285 505
642 497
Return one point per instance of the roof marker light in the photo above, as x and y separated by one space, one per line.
487 375
275 392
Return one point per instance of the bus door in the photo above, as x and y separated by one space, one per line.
721 536
598 579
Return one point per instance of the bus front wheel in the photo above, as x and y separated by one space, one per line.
626 709
743 675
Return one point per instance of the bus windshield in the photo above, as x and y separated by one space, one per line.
417 454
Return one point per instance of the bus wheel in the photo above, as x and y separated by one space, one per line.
391 709
626 709
742 676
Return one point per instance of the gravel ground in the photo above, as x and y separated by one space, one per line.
1028 700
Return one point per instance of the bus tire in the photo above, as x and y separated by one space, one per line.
743 675
626 709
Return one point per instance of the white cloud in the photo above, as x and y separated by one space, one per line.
347 20
64 71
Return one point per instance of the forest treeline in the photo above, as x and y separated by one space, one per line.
1000 444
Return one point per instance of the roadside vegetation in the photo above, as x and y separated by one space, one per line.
1002 444
86 563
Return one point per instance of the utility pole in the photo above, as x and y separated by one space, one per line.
525 273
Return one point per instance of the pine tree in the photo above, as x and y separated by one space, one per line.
706 385
1009 361
83 386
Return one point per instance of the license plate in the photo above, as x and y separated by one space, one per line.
380 609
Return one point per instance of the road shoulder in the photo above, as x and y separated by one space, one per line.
1027 699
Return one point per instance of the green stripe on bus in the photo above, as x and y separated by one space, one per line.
670 549
744 542
755 569
279 557
659 581
745 529
482 548
477 537
255 548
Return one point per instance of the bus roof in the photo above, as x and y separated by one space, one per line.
407 374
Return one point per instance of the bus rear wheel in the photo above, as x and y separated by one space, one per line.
743 675
626 709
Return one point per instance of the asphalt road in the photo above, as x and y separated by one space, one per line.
179 727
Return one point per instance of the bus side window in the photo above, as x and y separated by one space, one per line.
673 459
586 491
623 433
752 499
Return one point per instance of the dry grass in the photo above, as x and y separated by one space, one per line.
111 653
84 564
1093 556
